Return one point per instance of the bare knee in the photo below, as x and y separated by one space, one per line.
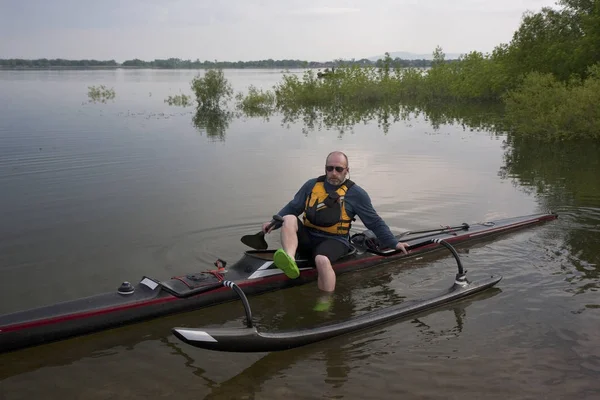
290 222
322 263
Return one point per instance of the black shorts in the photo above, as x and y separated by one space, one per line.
312 246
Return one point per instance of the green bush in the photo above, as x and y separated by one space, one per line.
100 93
256 102
212 90
180 100
545 108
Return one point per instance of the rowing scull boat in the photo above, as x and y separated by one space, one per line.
254 272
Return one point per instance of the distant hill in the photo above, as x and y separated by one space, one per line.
405 55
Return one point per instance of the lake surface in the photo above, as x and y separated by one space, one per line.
92 194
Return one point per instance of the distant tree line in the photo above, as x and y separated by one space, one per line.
176 63
57 62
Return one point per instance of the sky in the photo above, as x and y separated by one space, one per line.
243 30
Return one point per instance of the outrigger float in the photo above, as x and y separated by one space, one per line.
249 339
253 273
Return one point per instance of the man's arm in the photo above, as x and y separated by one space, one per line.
296 205
362 206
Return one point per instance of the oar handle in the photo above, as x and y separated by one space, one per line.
277 221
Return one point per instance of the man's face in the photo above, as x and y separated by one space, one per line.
337 164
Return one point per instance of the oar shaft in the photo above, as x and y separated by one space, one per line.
433 233
464 226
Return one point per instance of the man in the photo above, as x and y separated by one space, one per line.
329 204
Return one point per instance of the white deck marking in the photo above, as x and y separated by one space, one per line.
264 271
149 282
196 336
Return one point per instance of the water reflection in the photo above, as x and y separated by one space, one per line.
213 122
274 365
561 174
339 358
189 360
118 343
344 117
564 177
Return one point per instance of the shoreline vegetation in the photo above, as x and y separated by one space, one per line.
547 78
176 63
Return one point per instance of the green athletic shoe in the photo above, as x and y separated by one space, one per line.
322 305
324 302
286 263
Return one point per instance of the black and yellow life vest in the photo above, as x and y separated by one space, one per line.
327 211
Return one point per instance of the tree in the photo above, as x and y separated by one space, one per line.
211 89
562 42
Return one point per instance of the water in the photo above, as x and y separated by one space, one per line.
92 194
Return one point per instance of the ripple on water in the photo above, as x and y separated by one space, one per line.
201 248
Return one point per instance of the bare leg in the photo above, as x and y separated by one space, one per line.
289 235
326 280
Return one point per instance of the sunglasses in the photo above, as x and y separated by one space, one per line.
330 168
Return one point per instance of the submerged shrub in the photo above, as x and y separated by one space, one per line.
100 93
256 102
212 90
180 100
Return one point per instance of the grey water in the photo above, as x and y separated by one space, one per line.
94 193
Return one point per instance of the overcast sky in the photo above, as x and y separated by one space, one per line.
232 30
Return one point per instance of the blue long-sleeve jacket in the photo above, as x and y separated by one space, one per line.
358 203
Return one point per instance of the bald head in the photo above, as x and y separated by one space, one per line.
336 155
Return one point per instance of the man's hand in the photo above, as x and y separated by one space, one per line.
266 228
402 246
